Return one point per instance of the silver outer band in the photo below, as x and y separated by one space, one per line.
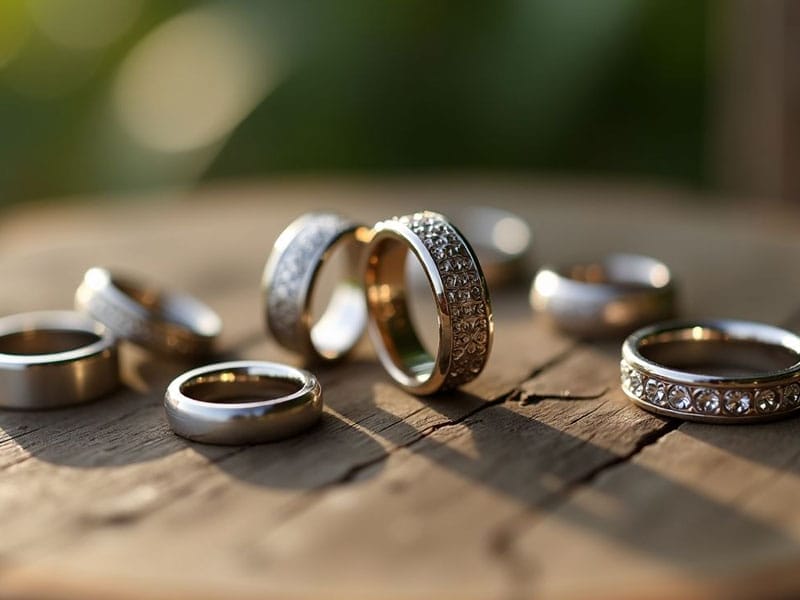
170 323
606 299
460 293
52 359
501 240
298 256
220 420
695 396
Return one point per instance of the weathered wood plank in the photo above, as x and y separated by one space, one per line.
497 491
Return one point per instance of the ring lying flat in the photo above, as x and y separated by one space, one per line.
720 371
501 241
463 307
606 299
234 403
166 322
291 274
55 358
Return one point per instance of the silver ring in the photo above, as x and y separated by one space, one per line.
166 322
235 403
608 298
52 359
464 311
501 240
291 274
719 371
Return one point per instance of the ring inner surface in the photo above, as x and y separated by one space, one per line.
719 357
338 299
229 387
626 275
387 295
45 341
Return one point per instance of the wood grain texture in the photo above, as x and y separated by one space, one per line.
537 480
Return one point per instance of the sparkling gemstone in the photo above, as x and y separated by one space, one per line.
678 397
655 392
767 401
635 384
706 401
791 394
737 402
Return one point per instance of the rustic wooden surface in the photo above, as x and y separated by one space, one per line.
537 480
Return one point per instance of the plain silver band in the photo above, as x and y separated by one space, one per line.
674 392
63 377
239 423
461 297
181 325
636 290
291 272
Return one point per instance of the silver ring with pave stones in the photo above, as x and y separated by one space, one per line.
717 371
464 311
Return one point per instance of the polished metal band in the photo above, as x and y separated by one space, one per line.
166 322
501 241
55 358
235 403
291 274
609 298
461 297
720 371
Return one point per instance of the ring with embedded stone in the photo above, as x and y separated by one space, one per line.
720 371
608 298
52 359
243 402
164 321
463 308
291 277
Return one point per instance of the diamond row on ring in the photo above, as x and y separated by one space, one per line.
467 301
707 400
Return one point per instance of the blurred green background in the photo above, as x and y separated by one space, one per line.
109 95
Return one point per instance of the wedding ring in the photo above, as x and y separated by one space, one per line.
464 312
166 322
290 279
501 241
605 299
243 402
52 359
719 371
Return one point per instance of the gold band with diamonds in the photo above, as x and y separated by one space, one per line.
464 312
718 371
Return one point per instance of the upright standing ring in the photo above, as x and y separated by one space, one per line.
501 240
465 324
164 321
719 371
608 298
236 403
291 275
52 359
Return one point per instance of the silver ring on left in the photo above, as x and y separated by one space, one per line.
290 279
243 402
52 359
166 322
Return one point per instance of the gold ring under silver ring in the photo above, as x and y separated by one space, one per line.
464 312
